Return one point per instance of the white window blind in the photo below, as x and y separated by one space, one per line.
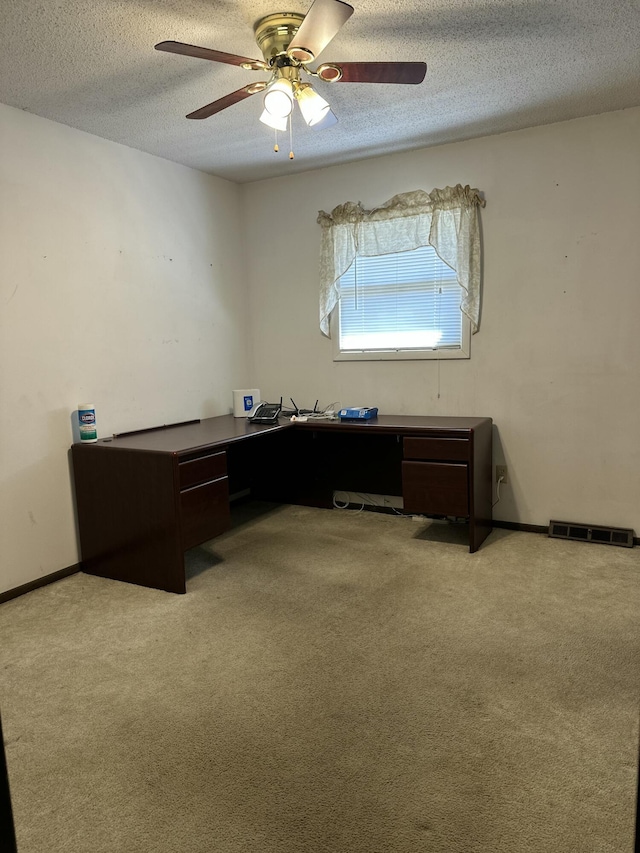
404 301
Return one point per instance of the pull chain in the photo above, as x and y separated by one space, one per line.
276 147
290 139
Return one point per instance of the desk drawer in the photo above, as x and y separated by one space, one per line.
447 449
204 512
435 488
202 469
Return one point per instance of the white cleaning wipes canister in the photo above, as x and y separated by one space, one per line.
244 400
87 422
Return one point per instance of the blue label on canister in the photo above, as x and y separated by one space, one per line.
87 423
248 402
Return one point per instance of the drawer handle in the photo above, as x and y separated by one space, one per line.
200 485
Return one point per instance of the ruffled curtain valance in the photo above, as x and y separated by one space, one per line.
446 219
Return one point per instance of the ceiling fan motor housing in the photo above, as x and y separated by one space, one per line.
275 33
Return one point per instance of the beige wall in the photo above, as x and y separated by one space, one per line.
122 285
557 358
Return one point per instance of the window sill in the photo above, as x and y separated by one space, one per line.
400 355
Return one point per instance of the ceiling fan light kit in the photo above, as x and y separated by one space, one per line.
289 42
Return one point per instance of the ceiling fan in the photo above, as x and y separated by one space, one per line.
290 42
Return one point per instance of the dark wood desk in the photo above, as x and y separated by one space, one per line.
144 499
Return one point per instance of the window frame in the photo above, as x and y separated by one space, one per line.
447 219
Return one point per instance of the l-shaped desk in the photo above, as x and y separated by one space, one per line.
145 498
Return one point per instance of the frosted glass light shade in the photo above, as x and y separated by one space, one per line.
328 120
312 105
276 122
278 100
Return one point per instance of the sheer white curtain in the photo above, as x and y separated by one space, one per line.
446 219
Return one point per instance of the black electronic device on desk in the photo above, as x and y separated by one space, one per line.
266 413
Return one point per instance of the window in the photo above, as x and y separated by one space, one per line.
400 305
402 280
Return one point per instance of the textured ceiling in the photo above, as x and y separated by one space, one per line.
493 66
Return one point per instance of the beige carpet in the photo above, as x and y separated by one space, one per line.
332 681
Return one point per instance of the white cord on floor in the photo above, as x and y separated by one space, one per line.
347 504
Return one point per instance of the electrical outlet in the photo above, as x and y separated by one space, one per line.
501 474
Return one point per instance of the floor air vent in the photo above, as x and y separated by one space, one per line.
591 533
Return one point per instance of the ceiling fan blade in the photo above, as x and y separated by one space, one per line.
228 100
373 72
320 25
205 53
